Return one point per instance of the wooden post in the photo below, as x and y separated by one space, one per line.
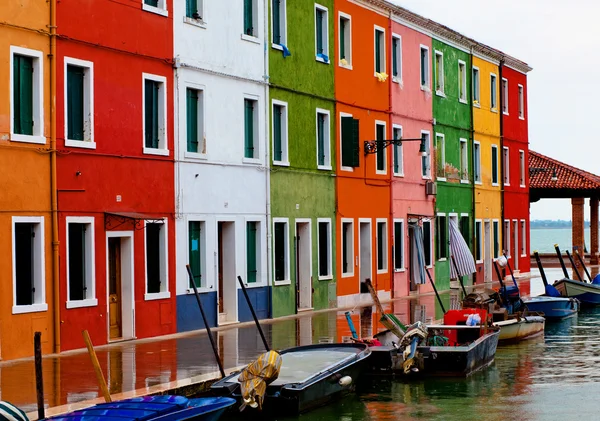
96 364
39 378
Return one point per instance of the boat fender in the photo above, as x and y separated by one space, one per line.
345 381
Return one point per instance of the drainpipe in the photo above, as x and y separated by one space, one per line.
53 188
501 148
473 196
267 162
391 127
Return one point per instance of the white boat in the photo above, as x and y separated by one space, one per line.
518 329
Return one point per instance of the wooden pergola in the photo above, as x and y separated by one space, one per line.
552 179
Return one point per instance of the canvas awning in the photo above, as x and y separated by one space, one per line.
465 263
113 220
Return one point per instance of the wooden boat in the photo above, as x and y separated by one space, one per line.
516 329
554 308
309 376
153 408
584 292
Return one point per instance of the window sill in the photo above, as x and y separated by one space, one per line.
194 22
25 138
426 177
253 161
479 183
201 290
321 60
282 283
494 110
443 259
507 184
505 112
34 308
476 104
348 275
349 169
84 144
379 172
462 101
345 66
522 186
398 81
153 151
326 278
281 163
250 38
495 185
523 255
195 155
157 10
400 175
425 88
381 271
91 302
399 270
157 296
441 179
440 93
254 285
277 47
478 262
324 167
520 118
465 182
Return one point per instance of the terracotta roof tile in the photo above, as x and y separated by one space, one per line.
569 178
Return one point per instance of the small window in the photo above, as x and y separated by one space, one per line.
425 160
79 109
521 103
156 259
322 33
382 247
281 250
155 6
441 236
506 166
379 50
464 160
523 239
516 236
427 243
80 262
462 81
493 92
278 22
424 67
250 128
347 248
496 229
350 142
196 252
506 237
155 116
251 18
505 96
396 58
324 253
252 248
27 119
477 162
398 152
439 73
440 155
478 241
194 9
465 228
381 151
345 41
476 99
495 165
280 133
195 120
323 142
522 168
398 245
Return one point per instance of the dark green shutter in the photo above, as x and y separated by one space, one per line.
380 148
465 229
496 238
249 128
191 7
153 258
323 249
342 39
151 113
276 21
427 242
24 263
251 252
350 142
380 239
442 237
396 154
494 165
321 138
355 144
478 241
277 149
398 233
345 248
319 31
75 119
279 251
194 247
248 28
394 57
192 120
423 66
151 2
77 263
23 94
377 52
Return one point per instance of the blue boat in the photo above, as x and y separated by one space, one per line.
584 292
153 408
554 308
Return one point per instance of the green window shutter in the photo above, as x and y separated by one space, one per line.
344 248
276 16
151 113
464 228
249 128
151 2
279 251
153 258
494 165
277 149
342 39
194 248
75 77
350 142
23 94
394 57
398 237
423 66
396 159
251 252
380 238
496 237
323 249
380 149
319 28
248 26
191 7
377 50
427 242
77 269
321 138
192 120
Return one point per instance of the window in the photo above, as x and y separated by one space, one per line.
523 239
494 165
324 252
496 229
477 162
252 247
79 107
347 248
522 168
322 33
345 41
81 272
323 142
440 152
462 81
156 6
465 227
439 73
196 247
157 284
195 120
398 152
279 23
478 241
379 50
381 151
396 58
516 238
382 247
250 128
506 166
424 67
506 237
281 249
26 107
427 243
521 103
493 93
251 18
194 9
476 86
155 117
505 96
280 133
350 142
441 236
425 160
398 245
464 161
29 294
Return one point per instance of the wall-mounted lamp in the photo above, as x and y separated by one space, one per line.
372 146
78 173
535 171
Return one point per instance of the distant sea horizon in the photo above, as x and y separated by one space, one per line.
543 239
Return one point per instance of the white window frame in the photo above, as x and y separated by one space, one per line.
40 304
386 265
202 143
495 147
439 92
381 51
351 262
326 141
464 159
479 240
399 242
282 25
400 149
477 160
285 160
506 237
385 169
160 10
522 168
201 23
347 41
523 237
504 93
431 251
259 247
506 165
426 71
428 157
521 102
442 137
497 223
38 113
164 264
329 275
462 96
493 92
325 30
163 145
257 119
476 82
206 285
341 115
88 104
398 78
90 259
255 38
287 280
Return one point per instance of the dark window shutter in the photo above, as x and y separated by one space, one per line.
355 144
377 50
380 239
342 39
251 254
276 16
153 258
350 142
151 113
75 94
24 263
151 2
194 248
249 128
77 263
248 28
192 120
321 138
191 7
398 251
323 249
345 255
277 149
280 251
496 237
380 148
23 94
394 57
319 28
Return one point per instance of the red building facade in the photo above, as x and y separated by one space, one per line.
115 170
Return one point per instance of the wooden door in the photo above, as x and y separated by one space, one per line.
220 264
114 288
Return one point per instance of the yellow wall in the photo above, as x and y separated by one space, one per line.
24 178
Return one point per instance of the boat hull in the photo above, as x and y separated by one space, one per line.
554 308
514 330
584 292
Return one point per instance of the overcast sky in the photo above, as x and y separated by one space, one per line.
558 39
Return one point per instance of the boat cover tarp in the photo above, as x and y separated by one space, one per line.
417 254
461 253
255 378
9 412
596 280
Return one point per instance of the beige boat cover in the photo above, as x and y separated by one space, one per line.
255 378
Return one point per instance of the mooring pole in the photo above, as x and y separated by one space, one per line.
39 376
262 335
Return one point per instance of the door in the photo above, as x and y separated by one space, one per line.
365 255
220 263
412 256
487 252
303 266
114 289
516 244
